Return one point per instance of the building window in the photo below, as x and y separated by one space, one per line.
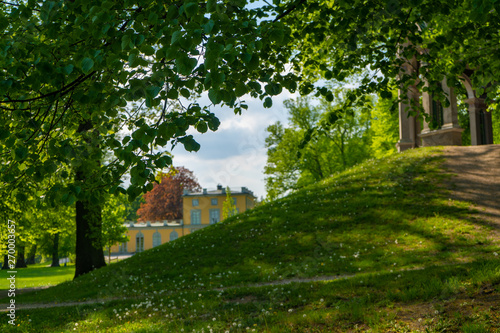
437 114
196 202
214 216
234 201
123 248
156 239
139 242
214 202
174 235
195 216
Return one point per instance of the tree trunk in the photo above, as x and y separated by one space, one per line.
5 262
89 253
31 256
20 262
89 247
55 251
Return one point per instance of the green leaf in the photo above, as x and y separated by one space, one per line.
268 102
240 89
202 127
133 60
176 36
152 91
385 94
147 49
211 6
172 94
68 69
207 27
277 35
126 42
185 93
189 143
191 9
185 64
87 65
21 153
217 78
215 96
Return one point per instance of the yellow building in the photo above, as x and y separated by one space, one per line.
200 209
145 236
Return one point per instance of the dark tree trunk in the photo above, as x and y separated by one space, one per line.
55 251
89 253
31 256
89 247
20 262
5 262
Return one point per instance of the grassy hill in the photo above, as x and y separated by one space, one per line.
380 247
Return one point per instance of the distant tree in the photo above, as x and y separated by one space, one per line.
113 216
132 208
228 207
164 201
321 138
385 127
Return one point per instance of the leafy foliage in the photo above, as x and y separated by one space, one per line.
113 218
334 39
164 201
228 206
319 141
385 127
66 69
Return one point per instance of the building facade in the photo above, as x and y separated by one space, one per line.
200 209
145 236
204 208
441 127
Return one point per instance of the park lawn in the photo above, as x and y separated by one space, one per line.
39 275
411 258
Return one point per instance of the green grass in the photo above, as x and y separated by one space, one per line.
38 276
383 221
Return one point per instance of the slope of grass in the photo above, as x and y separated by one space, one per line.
382 222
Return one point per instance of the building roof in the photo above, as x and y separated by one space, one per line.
219 191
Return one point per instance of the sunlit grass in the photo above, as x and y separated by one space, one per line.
39 275
383 222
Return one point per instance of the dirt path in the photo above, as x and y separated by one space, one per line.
476 179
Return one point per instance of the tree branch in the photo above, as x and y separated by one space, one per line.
63 91
290 9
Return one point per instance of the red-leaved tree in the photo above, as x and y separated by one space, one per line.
164 201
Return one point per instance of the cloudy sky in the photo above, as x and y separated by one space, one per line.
234 155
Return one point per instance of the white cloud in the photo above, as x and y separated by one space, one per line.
234 155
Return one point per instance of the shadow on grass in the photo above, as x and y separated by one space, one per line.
380 216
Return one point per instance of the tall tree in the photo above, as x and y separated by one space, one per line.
67 67
164 201
228 207
113 218
320 139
